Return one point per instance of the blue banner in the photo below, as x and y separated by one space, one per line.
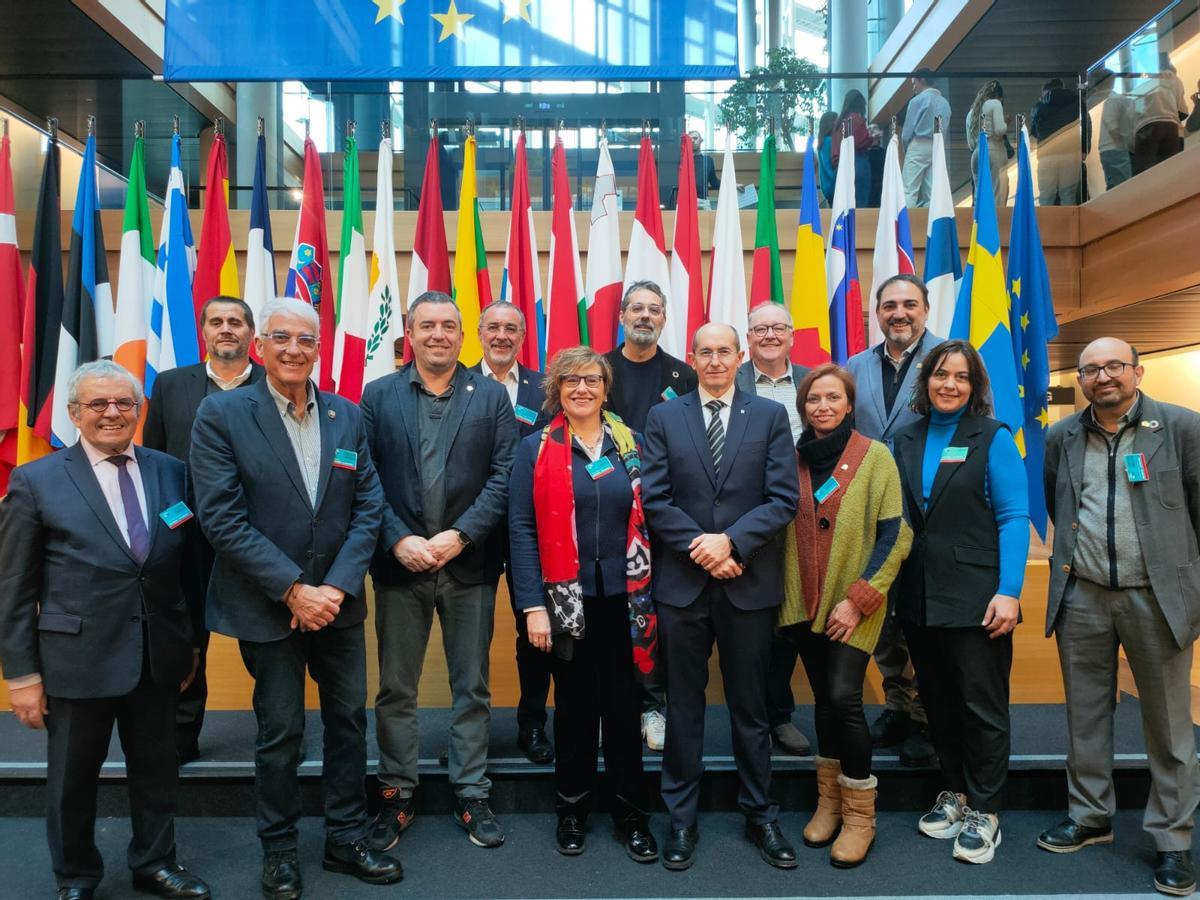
450 40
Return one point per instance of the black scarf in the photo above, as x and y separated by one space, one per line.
820 454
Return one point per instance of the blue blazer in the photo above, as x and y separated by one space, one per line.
529 395
73 600
870 416
601 523
752 500
255 511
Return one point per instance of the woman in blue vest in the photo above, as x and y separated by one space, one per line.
965 495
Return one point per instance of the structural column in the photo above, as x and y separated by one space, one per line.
254 99
847 47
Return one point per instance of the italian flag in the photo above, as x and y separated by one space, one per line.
135 274
647 258
350 335
472 289
766 281
567 326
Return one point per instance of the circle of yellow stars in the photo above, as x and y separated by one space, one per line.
452 21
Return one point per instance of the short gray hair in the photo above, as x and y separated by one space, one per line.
289 306
644 285
431 297
770 304
102 368
503 304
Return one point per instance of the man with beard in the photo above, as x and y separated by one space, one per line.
644 374
227 325
885 375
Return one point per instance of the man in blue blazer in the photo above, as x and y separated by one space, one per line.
97 576
289 499
886 374
720 487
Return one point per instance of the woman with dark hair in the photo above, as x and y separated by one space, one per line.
825 170
854 119
986 118
580 555
965 496
840 558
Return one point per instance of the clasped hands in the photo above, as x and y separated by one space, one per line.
313 607
714 554
418 554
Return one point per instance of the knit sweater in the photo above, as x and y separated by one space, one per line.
857 553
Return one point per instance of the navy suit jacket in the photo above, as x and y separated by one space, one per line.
751 500
73 600
529 395
255 511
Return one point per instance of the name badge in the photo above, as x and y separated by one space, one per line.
524 414
345 459
174 516
1136 469
669 394
601 467
954 455
825 491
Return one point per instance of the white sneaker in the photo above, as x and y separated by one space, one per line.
945 820
654 729
979 838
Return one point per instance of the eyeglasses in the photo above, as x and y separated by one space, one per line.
706 356
779 329
1114 368
281 339
497 327
639 309
573 381
98 406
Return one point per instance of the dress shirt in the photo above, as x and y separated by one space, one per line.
304 436
509 381
781 390
235 381
922 110
726 398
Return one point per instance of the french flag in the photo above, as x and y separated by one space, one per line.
893 236
841 265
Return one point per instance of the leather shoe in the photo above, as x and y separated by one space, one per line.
917 751
359 860
1173 873
639 843
536 746
570 835
680 850
1068 836
772 845
75 893
791 739
186 752
172 881
281 875
890 728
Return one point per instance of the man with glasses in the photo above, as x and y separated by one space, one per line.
227 326
1123 491
288 497
720 487
645 375
97 577
444 438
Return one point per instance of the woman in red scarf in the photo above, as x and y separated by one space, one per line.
580 556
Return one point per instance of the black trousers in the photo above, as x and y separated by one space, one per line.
596 694
836 672
336 658
964 683
189 712
743 638
79 732
533 671
780 701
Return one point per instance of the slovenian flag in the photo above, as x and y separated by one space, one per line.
810 296
687 285
135 274
522 282
472 288
841 264
12 306
766 279
308 275
216 269
604 257
567 316
893 236
429 268
385 320
350 335
943 260
727 275
647 256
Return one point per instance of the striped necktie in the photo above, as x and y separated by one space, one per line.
716 433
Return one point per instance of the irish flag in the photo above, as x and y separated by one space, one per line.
603 284
472 289
350 336
647 258
12 306
384 318
766 281
567 317
216 270
686 284
810 297
429 269
727 277
135 273
522 281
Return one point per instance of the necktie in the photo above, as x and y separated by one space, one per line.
716 433
139 537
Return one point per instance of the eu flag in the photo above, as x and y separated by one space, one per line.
1033 326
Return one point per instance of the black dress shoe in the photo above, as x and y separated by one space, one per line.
772 845
680 850
569 835
172 881
634 833
359 860
281 875
917 751
75 893
1068 836
1173 873
890 728
536 746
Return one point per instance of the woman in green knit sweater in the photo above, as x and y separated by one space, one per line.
842 554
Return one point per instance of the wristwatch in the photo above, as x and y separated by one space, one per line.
462 537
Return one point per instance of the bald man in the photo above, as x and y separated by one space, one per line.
1123 490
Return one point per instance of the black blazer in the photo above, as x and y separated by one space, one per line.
170 414
73 600
255 511
529 395
674 374
482 444
752 500
745 377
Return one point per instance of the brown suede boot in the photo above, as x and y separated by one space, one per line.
858 822
823 827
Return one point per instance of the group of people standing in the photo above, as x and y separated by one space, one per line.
642 509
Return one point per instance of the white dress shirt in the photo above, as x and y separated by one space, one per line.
235 381
509 381
726 398
107 475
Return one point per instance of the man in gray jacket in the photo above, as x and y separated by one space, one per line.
1123 490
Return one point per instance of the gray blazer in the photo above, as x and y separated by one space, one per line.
745 376
1166 508
870 417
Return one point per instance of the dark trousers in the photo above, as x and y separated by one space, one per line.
337 660
189 711
964 683
782 662
836 672
533 671
743 638
79 732
596 694
1154 143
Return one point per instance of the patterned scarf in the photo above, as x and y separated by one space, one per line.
554 511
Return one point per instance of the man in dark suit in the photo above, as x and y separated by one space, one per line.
288 497
444 437
720 487
227 326
502 334
645 375
97 578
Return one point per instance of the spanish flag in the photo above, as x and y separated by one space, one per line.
216 270
472 289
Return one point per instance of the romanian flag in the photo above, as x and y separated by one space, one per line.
350 336
687 285
810 296
604 257
216 270
12 306
429 269
567 317
472 288
308 276
766 280
135 274
521 284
